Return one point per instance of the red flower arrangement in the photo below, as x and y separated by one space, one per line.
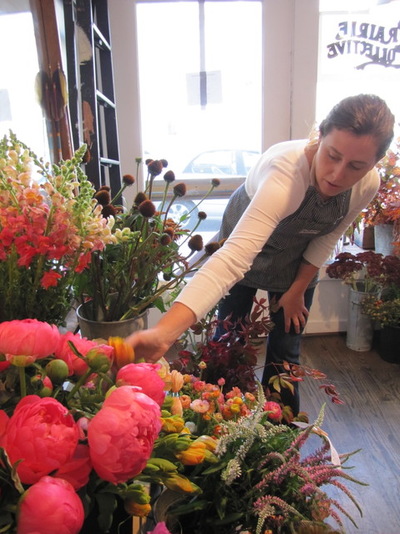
49 228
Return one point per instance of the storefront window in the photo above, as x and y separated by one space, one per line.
359 52
20 110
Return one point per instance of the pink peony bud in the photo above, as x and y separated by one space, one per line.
75 364
122 434
51 505
145 376
43 434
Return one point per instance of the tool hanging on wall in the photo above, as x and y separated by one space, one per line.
53 97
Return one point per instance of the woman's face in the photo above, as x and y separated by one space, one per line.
342 159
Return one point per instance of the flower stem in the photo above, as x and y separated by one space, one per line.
22 381
80 383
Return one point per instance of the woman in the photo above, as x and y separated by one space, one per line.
282 225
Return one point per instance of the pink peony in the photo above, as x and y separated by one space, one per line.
3 424
121 435
145 376
51 505
76 470
75 364
274 410
41 433
29 338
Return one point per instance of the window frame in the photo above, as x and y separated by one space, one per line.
289 77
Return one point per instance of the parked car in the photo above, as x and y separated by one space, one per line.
222 163
229 166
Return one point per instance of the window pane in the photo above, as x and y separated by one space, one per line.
19 107
200 85
358 52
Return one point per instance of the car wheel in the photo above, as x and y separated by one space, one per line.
181 212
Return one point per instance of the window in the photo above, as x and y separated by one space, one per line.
200 78
358 52
19 107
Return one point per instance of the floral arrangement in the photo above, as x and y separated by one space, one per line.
85 428
49 227
262 481
145 260
385 206
366 271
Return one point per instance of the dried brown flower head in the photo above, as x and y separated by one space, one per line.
108 210
180 189
128 179
140 197
164 163
147 208
216 182
202 215
165 239
103 197
195 243
212 247
169 176
155 167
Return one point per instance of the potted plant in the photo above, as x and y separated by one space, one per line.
367 273
144 262
385 312
383 212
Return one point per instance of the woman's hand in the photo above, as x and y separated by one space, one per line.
295 312
148 344
153 343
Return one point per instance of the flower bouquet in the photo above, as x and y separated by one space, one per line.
145 260
87 435
259 481
385 206
49 228
78 424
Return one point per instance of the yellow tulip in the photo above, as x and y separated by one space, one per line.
123 353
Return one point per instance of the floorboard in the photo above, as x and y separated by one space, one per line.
369 420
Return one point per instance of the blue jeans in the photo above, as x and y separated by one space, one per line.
281 346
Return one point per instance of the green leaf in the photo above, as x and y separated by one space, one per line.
107 504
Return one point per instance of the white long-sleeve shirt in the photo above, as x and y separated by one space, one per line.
276 187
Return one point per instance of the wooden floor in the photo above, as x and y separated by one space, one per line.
369 420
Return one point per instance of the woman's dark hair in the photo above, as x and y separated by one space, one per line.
362 115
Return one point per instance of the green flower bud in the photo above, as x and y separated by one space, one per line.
98 361
57 371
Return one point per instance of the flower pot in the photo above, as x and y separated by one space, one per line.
384 239
105 329
389 342
360 328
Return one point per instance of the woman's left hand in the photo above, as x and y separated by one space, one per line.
294 309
